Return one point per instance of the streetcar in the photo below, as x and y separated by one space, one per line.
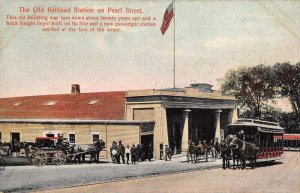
291 142
263 134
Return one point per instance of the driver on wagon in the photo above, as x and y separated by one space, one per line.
60 139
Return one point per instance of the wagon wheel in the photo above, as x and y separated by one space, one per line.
39 157
59 158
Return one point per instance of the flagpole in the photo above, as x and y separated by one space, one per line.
174 50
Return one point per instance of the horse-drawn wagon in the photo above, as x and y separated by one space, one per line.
47 150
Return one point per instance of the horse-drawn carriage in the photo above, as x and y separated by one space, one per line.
253 140
202 151
47 150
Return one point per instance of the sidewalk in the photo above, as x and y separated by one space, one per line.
28 178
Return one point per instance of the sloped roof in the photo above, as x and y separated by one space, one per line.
99 105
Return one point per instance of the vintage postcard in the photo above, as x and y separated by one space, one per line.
149 96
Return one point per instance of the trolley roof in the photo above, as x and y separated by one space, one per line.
262 126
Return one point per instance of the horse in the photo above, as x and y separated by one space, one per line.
236 156
250 153
246 150
194 152
225 153
95 149
76 153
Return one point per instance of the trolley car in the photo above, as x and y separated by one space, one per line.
291 142
263 135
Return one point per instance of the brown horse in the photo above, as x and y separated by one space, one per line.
95 149
194 152
246 151
225 152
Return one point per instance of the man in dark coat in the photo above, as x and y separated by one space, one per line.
138 152
60 140
133 154
121 151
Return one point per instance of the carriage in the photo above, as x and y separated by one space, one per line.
201 152
262 135
46 150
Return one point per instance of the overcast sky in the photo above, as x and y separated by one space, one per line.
211 37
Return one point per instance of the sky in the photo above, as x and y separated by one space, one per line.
211 38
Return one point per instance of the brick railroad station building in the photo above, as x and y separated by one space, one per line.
162 116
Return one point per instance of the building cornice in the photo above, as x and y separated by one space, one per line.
73 121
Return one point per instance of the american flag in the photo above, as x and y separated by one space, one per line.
169 14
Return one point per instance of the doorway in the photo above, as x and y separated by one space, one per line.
14 138
146 140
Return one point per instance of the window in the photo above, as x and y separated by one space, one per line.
93 101
95 137
72 137
17 103
50 103
0 137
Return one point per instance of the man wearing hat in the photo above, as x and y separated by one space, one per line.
121 151
167 153
133 154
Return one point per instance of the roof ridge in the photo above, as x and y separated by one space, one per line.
84 93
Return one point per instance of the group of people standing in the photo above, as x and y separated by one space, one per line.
135 153
8 149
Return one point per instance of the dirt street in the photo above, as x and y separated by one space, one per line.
277 178
32 178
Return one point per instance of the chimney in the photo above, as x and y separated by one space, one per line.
75 89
